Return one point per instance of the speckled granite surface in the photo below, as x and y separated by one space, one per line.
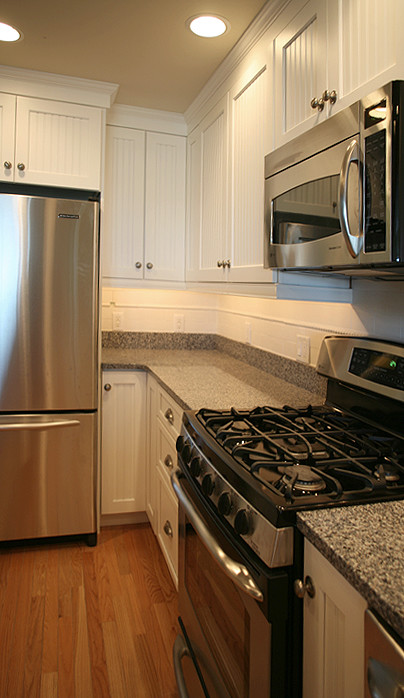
366 544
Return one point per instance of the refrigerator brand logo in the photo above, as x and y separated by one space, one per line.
68 215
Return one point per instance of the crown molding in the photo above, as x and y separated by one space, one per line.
147 119
245 44
34 83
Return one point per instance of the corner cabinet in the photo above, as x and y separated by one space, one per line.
50 143
333 632
164 417
123 470
143 226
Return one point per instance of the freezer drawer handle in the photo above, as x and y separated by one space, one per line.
38 426
236 571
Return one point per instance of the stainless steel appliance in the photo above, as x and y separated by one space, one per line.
48 364
242 476
333 198
384 660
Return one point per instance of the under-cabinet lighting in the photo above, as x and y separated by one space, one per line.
208 25
9 33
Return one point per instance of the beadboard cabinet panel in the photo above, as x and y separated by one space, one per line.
123 221
58 143
123 485
333 632
7 136
165 207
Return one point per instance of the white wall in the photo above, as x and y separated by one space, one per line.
274 324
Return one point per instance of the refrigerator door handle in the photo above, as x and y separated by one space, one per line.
39 426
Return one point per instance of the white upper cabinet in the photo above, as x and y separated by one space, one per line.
144 205
208 196
53 143
123 220
165 207
322 47
300 69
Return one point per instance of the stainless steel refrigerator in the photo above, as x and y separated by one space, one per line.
48 366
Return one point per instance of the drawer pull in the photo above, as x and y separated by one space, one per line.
168 529
168 461
169 415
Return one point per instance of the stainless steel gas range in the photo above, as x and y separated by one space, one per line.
242 476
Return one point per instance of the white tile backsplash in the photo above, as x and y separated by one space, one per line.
376 310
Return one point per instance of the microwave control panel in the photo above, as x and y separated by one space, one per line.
375 192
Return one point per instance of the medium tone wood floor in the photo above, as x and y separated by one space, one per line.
80 622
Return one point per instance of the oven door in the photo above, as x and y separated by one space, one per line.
233 614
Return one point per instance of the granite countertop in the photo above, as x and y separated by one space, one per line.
366 544
210 378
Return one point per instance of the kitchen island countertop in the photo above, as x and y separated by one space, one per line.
364 543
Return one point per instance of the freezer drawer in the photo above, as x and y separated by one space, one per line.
48 475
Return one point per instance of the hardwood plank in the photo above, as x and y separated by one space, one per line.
50 627
33 656
8 660
82 667
49 685
94 625
65 658
114 664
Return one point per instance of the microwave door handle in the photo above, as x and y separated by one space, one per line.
353 242
237 572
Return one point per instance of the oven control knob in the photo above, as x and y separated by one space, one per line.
186 453
225 504
242 522
179 444
195 466
208 485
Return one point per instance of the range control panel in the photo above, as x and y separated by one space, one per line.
378 367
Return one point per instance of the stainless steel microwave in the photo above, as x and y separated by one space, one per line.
334 196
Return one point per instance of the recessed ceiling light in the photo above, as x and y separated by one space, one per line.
8 33
208 25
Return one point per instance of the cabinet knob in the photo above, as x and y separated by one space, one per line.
8 165
107 387
21 166
149 265
317 103
169 415
301 588
167 528
220 263
329 96
138 265
227 263
168 461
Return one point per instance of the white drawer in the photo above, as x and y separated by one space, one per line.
168 526
166 452
169 412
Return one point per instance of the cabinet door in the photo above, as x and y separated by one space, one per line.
333 633
152 457
123 219
365 46
58 144
300 52
7 136
250 141
123 442
165 207
208 231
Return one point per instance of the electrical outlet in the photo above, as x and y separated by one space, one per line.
117 319
178 322
303 349
248 332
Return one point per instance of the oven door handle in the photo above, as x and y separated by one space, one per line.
237 572
180 650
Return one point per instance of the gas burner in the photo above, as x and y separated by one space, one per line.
389 471
301 479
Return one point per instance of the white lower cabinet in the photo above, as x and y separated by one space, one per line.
333 632
123 481
164 416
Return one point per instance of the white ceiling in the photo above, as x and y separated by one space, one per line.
143 45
